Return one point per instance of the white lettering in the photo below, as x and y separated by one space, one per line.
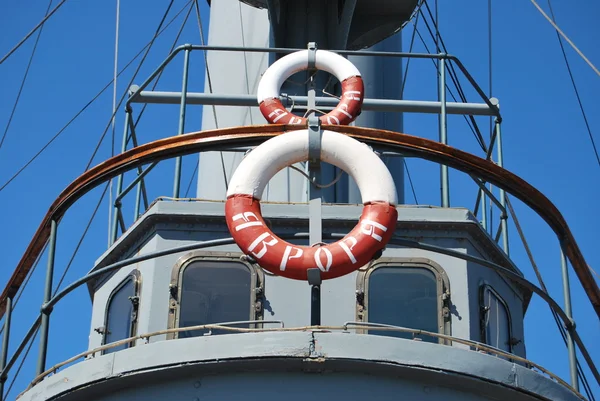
329 257
264 249
287 257
368 227
295 120
279 113
345 112
348 249
337 121
246 217
351 95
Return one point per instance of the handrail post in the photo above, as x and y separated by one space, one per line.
504 216
5 338
569 313
443 129
117 206
45 324
184 87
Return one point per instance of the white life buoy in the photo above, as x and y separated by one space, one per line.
352 87
369 236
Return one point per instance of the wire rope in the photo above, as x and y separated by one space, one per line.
88 104
48 15
569 41
14 109
587 125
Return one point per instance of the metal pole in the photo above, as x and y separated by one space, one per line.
504 216
5 339
443 133
117 209
568 312
184 86
45 324
483 210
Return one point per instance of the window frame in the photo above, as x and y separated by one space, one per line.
136 277
442 286
257 285
482 314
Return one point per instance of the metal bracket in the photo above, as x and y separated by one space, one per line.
314 143
312 55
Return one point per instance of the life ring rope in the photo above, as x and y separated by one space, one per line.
369 236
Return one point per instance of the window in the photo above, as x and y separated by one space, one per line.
216 290
121 313
495 320
406 295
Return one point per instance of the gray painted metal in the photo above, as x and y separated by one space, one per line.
171 224
237 24
567 297
383 80
209 367
300 102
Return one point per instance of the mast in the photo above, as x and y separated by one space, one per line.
331 25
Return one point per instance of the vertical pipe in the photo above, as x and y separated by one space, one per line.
569 313
45 324
138 196
503 216
315 305
443 134
184 86
483 208
117 210
5 339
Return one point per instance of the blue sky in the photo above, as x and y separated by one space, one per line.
545 140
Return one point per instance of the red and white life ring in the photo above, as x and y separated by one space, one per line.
369 236
352 87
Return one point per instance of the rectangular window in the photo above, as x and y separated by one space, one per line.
405 296
121 313
495 320
215 292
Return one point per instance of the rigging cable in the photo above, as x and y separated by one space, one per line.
558 30
85 107
48 15
210 89
536 270
139 67
587 125
454 77
12 113
471 122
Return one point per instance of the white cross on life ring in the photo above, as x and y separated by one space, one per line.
352 87
369 236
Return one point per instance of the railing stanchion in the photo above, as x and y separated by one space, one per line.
117 205
5 338
569 313
45 324
504 216
184 86
443 132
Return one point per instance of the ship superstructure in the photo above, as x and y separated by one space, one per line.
183 310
